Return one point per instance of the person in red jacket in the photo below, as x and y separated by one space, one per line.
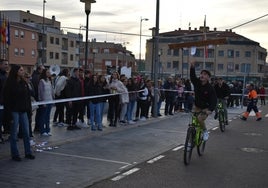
252 104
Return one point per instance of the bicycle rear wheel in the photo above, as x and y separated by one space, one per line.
222 121
201 145
189 145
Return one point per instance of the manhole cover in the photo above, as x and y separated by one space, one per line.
252 150
252 134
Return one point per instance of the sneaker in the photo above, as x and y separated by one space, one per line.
258 119
143 118
49 134
131 122
16 158
88 122
78 123
32 143
44 134
29 156
84 125
205 135
243 118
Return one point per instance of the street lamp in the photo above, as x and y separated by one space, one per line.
43 33
87 11
142 19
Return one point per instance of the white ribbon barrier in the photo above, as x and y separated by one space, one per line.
75 99
108 95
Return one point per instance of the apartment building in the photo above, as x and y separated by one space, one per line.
234 59
52 46
23 48
105 57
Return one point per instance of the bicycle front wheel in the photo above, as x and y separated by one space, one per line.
222 121
189 145
201 145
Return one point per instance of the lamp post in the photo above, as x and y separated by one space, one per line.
87 11
43 33
142 19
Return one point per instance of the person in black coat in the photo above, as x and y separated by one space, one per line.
17 100
73 90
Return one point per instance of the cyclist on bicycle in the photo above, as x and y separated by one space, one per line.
205 96
223 92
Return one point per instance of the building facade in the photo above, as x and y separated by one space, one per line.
52 46
234 59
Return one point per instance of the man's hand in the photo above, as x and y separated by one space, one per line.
192 63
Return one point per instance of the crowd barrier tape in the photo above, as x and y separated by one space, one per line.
108 95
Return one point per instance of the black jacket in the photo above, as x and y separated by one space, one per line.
17 98
223 91
205 96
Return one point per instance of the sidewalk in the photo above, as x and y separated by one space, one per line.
60 135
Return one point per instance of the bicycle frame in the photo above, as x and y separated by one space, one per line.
198 129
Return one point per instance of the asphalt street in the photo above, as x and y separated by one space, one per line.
147 154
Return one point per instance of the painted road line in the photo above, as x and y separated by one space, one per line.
155 159
119 177
214 128
83 157
177 148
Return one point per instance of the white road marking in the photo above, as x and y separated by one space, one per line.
83 157
155 159
177 148
214 128
125 174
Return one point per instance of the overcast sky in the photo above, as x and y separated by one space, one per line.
123 16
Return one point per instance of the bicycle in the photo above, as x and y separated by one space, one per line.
194 138
221 116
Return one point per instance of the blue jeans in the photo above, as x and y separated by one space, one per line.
45 118
102 106
95 113
20 119
130 108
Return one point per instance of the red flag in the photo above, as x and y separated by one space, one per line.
3 31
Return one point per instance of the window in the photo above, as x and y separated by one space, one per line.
21 34
16 33
71 57
33 36
106 51
57 41
247 54
22 52
186 52
16 51
220 67
230 53
185 66
169 51
51 40
175 52
71 43
245 68
221 53
175 64
51 55
237 54
230 67
236 67
57 55
33 53
168 65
